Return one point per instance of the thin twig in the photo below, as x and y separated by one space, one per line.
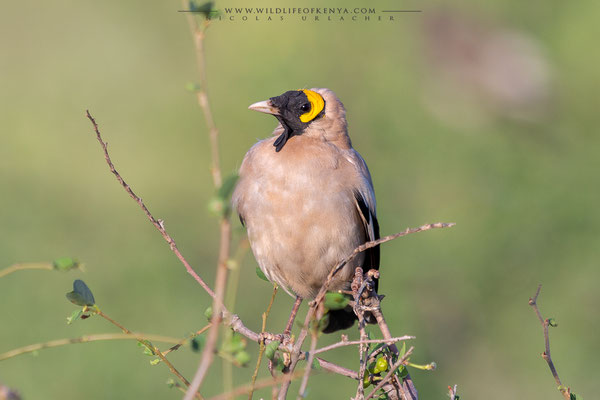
158 224
230 297
309 363
566 392
360 284
262 343
25 266
391 372
198 35
359 342
85 339
362 359
337 369
208 352
453 392
225 224
182 341
153 348
112 321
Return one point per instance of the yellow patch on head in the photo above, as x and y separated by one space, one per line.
316 105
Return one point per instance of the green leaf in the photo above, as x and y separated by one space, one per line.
74 316
234 344
552 322
205 9
208 313
315 364
197 343
335 301
65 263
271 348
242 357
155 361
575 397
193 86
148 347
402 372
148 351
261 274
402 350
322 323
219 205
226 189
170 383
81 294
371 367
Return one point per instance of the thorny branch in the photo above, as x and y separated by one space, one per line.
546 323
158 224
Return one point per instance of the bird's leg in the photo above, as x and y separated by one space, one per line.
290 323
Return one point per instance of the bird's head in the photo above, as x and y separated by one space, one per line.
299 111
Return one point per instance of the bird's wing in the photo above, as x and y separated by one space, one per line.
366 205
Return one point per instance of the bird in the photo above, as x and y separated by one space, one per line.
306 198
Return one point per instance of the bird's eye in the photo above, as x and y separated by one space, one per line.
305 107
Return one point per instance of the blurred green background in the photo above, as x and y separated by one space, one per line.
483 114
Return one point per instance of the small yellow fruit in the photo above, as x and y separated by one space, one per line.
382 364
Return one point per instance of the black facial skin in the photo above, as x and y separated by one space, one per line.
291 105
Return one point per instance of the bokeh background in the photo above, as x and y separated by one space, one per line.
483 114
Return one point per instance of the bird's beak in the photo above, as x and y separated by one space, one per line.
264 107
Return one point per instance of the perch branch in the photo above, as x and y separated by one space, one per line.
321 294
233 320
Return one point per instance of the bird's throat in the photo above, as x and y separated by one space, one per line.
284 137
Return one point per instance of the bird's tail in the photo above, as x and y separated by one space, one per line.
340 319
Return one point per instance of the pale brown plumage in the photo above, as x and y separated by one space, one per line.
309 205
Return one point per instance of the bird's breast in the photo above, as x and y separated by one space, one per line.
300 214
